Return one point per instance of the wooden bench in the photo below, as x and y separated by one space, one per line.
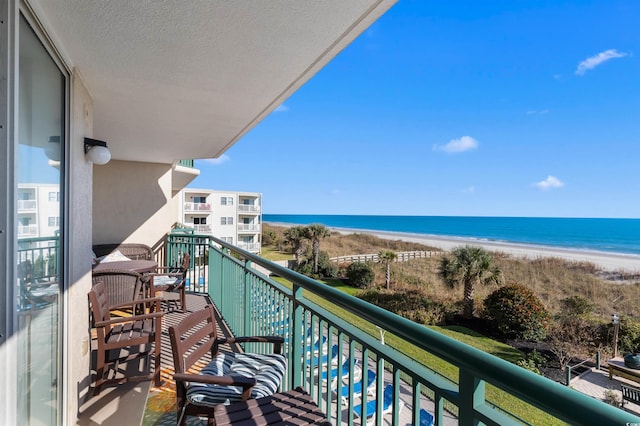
617 368
630 394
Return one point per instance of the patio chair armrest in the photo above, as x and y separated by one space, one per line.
277 341
151 301
129 319
230 380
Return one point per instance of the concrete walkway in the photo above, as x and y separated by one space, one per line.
595 382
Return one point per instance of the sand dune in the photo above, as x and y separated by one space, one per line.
608 261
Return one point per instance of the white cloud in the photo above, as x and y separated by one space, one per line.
469 189
216 161
549 183
600 58
463 144
281 108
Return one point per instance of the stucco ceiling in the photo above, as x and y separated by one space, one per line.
181 79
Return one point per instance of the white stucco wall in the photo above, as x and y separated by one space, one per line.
76 351
133 202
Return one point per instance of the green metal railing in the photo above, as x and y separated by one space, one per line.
186 163
38 275
304 311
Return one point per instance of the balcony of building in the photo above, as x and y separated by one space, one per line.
26 231
25 206
249 227
248 208
254 296
197 207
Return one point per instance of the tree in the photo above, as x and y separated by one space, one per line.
569 337
314 233
386 257
294 236
469 266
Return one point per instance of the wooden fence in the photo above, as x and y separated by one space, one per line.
402 256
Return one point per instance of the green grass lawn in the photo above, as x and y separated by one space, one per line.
462 334
273 255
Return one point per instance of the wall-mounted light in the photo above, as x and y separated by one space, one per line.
52 150
96 151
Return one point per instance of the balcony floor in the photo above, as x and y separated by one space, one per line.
125 404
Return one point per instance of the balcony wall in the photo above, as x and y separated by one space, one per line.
133 202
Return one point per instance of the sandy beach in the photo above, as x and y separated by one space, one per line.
608 261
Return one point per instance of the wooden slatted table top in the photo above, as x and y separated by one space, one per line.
294 407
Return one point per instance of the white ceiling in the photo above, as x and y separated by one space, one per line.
182 79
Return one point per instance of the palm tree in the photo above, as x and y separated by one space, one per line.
294 236
314 233
386 257
469 266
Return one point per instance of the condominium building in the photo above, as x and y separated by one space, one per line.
234 217
38 210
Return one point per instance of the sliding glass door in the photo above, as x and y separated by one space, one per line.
39 213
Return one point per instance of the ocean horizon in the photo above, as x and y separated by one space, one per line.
592 234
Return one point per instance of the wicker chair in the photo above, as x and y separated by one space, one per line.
128 333
132 250
228 377
120 286
170 279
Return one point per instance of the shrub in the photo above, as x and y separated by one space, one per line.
360 274
517 313
411 304
528 364
628 334
577 306
611 397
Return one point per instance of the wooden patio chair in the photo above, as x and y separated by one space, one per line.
170 279
229 377
120 286
127 333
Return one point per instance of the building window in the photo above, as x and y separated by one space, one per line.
226 221
226 201
54 220
200 200
228 240
54 196
199 220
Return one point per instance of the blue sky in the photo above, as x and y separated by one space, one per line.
469 108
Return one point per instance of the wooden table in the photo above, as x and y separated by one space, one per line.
617 368
294 407
139 266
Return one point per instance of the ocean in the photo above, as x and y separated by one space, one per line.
608 235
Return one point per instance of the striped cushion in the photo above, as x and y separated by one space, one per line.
268 371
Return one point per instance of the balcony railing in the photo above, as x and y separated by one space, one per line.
307 311
27 205
197 207
250 208
253 247
186 163
247 227
27 231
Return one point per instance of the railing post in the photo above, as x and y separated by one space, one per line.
247 299
567 375
296 337
598 360
472 394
